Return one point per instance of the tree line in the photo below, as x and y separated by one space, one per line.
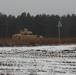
41 24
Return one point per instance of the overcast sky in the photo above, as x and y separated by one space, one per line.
59 7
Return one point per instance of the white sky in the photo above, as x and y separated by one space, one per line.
59 7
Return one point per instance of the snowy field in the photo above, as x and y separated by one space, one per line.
38 60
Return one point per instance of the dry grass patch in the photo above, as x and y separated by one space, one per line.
36 41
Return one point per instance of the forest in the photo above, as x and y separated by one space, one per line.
41 24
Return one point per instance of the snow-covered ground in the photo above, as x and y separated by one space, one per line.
38 60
